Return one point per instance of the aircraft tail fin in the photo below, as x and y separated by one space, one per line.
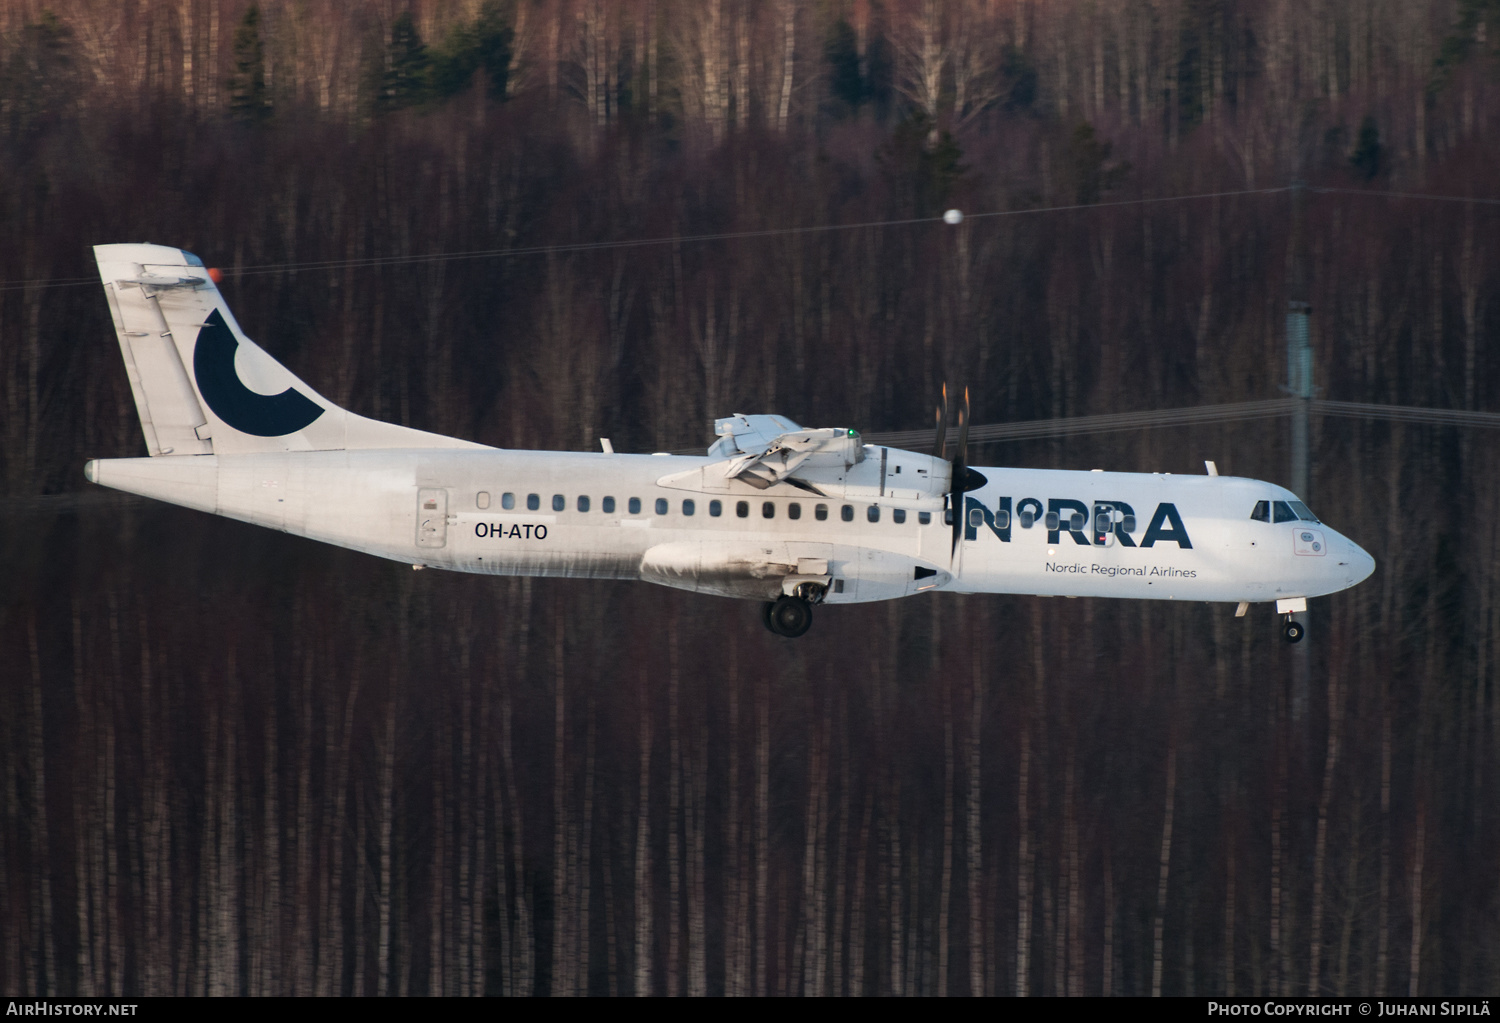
201 386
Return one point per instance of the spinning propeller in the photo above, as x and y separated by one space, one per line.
962 479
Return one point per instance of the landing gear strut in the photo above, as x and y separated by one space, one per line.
1292 630
787 616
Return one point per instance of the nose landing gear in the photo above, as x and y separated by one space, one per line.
1292 630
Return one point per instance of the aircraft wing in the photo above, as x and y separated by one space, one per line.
764 450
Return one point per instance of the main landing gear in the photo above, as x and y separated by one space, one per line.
787 616
1292 630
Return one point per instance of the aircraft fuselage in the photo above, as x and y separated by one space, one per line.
610 516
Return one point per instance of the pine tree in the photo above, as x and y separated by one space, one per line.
247 85
1365 160
405 82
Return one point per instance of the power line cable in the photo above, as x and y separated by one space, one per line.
568 248
1407 195
374 262
1036 429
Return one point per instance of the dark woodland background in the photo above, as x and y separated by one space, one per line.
235 761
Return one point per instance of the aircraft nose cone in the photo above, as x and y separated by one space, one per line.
1361 565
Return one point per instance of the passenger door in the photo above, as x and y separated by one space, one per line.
432 517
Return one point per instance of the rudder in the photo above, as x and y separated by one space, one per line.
201 386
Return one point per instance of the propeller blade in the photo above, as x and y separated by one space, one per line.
940 442
960 476
963 431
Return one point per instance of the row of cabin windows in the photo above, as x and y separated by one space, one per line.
690 507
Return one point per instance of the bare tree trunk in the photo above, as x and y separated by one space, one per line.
1320 854
1419 850
674 810
1280 982
1108 964
857 910
562 890
41 846
1166 863
387 827
945 885
788 62
1229 933
801 965
734 883
652 74
841 857
697 792
975 849
90 869
438 899
643 894
1075 896
1024 856
271 931
584 877
762 831
897 919
523 945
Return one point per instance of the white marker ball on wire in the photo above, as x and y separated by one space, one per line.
953 217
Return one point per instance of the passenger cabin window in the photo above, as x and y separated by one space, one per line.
716 508
872 513
533 502
661 506
1002 519
976 517
583 503
820 512
1053 522
559 503
688 507
794 510
1283 511
847 513
482 499
608 506
898 514
924 518
742 509
1261 512
634 506
767 510
507 500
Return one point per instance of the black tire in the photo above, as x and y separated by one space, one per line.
789 617
1293 632
765 614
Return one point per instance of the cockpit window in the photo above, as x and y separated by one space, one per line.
1283 511
1262 512
1303 512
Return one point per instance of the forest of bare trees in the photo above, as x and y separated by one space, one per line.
237 762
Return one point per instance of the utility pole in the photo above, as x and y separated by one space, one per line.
1299 378
1299 361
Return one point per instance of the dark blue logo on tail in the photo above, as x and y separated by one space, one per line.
261 415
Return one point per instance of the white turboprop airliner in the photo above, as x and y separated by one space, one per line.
775 513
